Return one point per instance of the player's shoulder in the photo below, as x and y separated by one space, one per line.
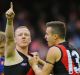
54 51
54 48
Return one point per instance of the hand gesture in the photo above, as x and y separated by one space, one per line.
10 13
34 59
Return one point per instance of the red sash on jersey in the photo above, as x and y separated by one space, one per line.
65 61
31 72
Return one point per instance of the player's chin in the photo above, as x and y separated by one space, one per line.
49 44
24 45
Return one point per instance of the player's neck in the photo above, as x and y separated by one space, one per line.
22 50
59 41
1 55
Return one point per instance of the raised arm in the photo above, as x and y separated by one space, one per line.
9 32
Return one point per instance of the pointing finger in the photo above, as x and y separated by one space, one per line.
11 5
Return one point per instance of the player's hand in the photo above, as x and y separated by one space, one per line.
10 13
34 59
35 54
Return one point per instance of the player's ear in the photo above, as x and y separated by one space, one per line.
55 36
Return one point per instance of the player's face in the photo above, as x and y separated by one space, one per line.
49 36
2 48
22 37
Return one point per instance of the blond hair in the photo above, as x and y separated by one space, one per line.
2 36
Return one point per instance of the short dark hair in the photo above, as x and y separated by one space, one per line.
2 36
58 28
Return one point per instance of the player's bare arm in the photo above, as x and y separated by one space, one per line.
9 31
52 57
10 53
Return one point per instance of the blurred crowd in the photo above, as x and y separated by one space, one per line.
35 13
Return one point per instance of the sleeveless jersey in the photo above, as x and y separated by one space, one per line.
22 68
69 62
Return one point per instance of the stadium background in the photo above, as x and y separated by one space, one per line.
35 13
